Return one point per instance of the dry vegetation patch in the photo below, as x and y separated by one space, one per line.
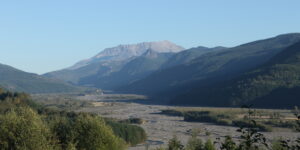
267 119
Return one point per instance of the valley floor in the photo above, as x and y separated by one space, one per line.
160 128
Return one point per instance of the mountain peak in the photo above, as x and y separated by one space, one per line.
123 52
150 54
140 48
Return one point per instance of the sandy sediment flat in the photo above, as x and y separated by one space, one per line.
160 128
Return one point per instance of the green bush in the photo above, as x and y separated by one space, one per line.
133 121
209 145
171 112
194 143
22 128
277 145
206 116
228 144
132 134
93 133
175 144
245 123
280 123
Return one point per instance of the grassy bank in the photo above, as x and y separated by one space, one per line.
267 119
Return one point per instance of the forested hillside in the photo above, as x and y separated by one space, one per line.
211 68
17 80
274 84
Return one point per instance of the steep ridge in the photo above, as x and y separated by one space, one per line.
276 84
188 55
211 67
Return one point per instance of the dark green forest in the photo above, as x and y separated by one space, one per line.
274 84
209 68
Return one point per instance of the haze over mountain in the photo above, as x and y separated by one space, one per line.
110 60
167 73
17 80
124 52
133 70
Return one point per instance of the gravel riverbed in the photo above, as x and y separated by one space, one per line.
160 128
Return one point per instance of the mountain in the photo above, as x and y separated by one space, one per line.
135 69
17 80
210 68
140 67
124 52
275 84
188 55
92 71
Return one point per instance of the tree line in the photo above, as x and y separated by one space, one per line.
27 125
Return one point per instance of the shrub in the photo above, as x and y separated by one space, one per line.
83 131
133 121
171 112
245 123
175 144
93 133
209 145
206 116
228 144
278 145
132 134
22 128
194 143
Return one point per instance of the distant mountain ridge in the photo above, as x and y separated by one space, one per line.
92 71
135 69
123 52
17 80
211 67
178 76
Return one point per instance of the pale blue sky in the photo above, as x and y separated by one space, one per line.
45 35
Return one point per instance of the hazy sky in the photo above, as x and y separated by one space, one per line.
46 35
